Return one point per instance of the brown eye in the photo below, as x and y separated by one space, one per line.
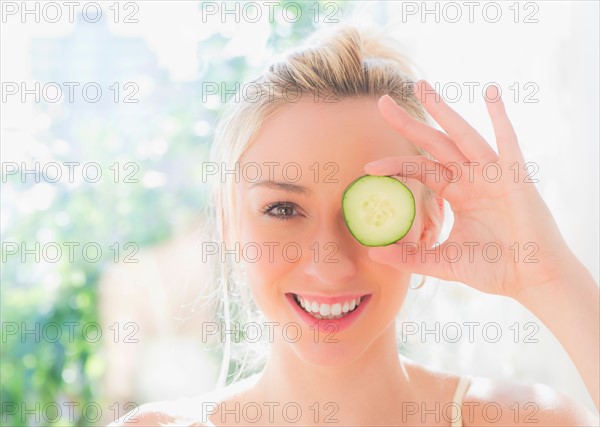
283 211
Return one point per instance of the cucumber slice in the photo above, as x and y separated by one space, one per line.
379 210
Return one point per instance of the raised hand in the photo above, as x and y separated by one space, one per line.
504 238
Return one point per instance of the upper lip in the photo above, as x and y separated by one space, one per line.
329 299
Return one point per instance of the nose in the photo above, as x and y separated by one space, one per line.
331 259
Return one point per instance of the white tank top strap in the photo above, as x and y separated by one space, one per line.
459 394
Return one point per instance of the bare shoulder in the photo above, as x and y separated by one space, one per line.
494 402
489 402
188 411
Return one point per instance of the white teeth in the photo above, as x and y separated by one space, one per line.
328 311
336 309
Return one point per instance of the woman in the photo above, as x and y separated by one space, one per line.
340 107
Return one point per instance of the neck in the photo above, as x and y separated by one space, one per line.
357 393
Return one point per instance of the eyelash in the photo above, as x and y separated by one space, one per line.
269 208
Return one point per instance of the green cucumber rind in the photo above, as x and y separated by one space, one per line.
349 223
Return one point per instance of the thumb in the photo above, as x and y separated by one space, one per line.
412 258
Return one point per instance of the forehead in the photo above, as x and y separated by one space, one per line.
349 132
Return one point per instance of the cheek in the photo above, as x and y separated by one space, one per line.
264 257
393 284
268 282
264 275
267 255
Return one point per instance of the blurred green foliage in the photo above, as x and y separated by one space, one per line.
36 368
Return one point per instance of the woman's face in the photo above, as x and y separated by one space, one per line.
293 235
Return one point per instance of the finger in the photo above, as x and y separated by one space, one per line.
466 138
431 140
506 138
431 173
410 257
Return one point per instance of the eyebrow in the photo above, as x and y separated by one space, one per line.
284 186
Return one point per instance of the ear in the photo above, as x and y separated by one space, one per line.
434 209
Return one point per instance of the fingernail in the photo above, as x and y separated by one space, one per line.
374 163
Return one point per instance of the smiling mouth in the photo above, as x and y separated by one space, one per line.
328 311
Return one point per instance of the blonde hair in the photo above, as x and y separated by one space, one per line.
345 61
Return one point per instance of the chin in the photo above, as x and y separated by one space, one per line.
326 354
